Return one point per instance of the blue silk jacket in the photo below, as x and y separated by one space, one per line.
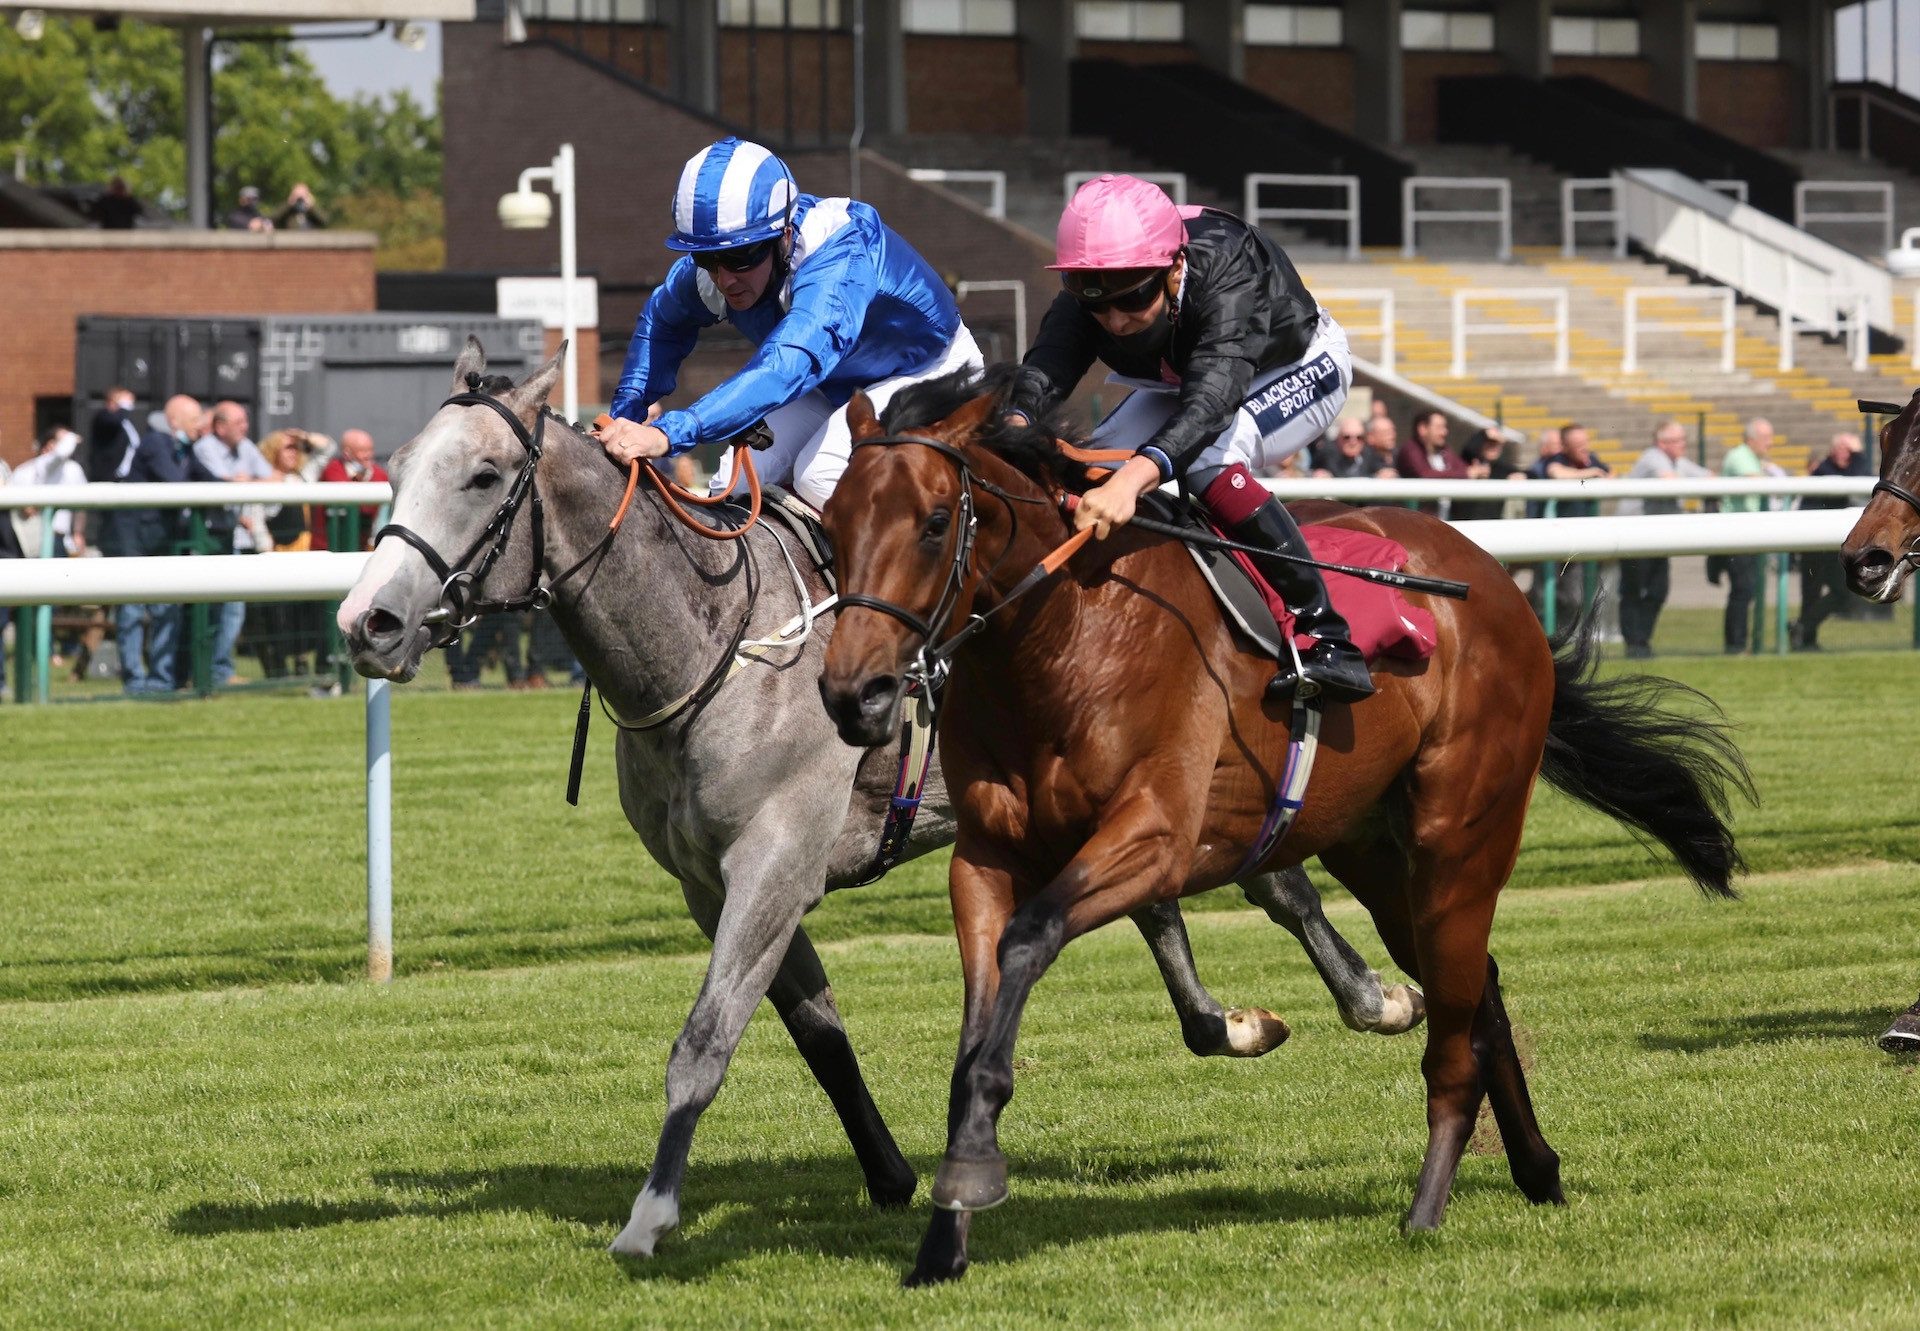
859 305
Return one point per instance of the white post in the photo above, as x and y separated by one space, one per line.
1786 317
1505 192
1386 331
1726 330
1562 335
1353 240
1630 335
1406 233
569 329
1459 335
379 832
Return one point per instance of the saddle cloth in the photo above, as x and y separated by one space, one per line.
1382 621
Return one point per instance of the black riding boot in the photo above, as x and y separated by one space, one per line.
1333 663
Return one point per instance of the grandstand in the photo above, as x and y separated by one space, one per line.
973 114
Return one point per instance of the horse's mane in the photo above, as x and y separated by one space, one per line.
1033 449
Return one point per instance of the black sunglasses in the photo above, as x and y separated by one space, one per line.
1141 296
744 259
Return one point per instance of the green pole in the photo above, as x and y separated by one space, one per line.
1700 438
1782 562
336 641
23 652
1500 412
199 616
1550 602
1759 626
43 621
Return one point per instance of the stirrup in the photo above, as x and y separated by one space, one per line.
1332 671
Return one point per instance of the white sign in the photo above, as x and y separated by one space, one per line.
544 298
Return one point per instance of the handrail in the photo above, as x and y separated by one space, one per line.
1173 182
1571 217
1695 487
1383 298
196 494
995 181
1802 215
1630 336
1411 217
1554 296
1256 213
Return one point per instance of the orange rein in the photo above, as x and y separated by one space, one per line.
674 494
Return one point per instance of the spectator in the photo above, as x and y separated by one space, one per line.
1484 454
300 212
1748 458
53 464
355 463
1823 580
1381 438
247 216
467 656
225 453
1348 457
112 438
286 631
147 634
1426 457
1644 583
1566 454
9 549
117 209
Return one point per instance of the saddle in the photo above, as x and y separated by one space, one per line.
1381 621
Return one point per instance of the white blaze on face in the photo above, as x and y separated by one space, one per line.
429 449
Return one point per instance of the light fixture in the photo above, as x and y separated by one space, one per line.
413 36
525 210
31 24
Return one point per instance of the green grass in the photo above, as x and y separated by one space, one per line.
203 1123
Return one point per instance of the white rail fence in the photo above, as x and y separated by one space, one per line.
1839 312
1733 189
1173 182
1501 214
1555 297
1012 286
1635 323
1382 299
329 576
1881 216
1347 212
995 181
1572 215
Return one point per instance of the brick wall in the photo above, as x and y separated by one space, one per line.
1314 80
1421 72
1140 53
753 81
1630 74
965 85
52 277
641 51
1761 104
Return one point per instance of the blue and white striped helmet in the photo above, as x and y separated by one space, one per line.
732 193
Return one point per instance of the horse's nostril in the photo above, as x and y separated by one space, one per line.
382 626
1873 561
877 692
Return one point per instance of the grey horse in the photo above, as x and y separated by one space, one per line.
745 795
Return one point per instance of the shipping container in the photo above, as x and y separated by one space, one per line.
382 373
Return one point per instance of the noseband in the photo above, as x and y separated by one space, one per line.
1900 492
459 604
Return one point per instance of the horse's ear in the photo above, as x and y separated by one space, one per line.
532 392
966 421
861 422
473 360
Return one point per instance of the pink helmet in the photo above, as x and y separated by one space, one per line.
1118 222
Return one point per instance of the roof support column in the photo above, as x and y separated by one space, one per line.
1373 34
1217 30
1523 34
886 68
696 54
198 99
1048 45
1806 44
1667 36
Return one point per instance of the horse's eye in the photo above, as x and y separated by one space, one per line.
485 480
937 523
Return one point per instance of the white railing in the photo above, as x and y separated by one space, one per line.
1554 296
1349 212
1572 216
1675 218
1841 312
1881 216
1733 189
1637 296
1411 216
1408 491
995 181
1173 182
1382 299
1018 290
197 494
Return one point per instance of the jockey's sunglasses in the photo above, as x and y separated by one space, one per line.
1095 296
743 259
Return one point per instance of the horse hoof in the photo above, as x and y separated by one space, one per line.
970 1185
925 1274
653 1216
1253 1031
1403 1007
1902 1037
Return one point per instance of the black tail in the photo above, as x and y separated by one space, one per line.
1622 746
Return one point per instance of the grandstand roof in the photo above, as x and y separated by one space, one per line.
270 11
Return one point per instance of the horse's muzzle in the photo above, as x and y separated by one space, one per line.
1874 572
866 713
383 646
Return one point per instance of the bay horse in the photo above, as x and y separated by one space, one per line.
1879 555
1108 748
742 794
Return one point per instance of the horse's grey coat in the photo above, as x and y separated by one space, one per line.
750 800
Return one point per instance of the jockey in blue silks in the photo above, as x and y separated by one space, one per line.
832 298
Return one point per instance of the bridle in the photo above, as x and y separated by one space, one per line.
1911 555
930 664
460 606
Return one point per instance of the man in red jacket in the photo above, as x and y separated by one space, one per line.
1426 457
355 463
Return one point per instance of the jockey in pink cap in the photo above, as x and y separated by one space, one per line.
1233 362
